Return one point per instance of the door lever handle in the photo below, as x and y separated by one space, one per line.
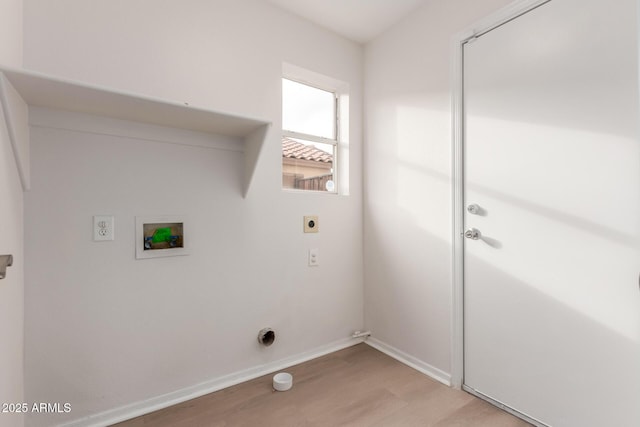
5 261
473 234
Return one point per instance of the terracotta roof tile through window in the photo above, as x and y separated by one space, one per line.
297 150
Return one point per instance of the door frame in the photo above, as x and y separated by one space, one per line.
468 35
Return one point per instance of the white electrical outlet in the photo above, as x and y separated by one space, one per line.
103 228
314 257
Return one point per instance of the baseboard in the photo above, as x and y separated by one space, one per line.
411 361
137 409
498 404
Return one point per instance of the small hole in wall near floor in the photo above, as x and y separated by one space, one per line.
266 337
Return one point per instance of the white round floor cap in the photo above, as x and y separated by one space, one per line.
282 381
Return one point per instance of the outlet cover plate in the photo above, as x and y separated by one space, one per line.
103 228
311 224
314 257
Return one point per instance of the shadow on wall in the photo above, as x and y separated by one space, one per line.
408 291
558 196
555 222
596 356
408 226
405 261
408 240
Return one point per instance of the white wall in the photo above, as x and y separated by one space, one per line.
11 233
407 208
11 33
104 330
12 286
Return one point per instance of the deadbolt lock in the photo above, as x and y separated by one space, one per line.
473 209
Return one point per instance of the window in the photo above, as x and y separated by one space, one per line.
310 135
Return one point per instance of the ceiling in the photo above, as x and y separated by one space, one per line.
358 20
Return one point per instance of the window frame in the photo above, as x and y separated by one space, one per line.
335 142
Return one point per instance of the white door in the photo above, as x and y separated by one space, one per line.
552 161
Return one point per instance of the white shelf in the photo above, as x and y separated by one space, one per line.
44 91
41 90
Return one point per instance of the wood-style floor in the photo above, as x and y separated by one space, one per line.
357 386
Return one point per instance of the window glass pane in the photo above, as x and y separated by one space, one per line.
307 165
308 110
